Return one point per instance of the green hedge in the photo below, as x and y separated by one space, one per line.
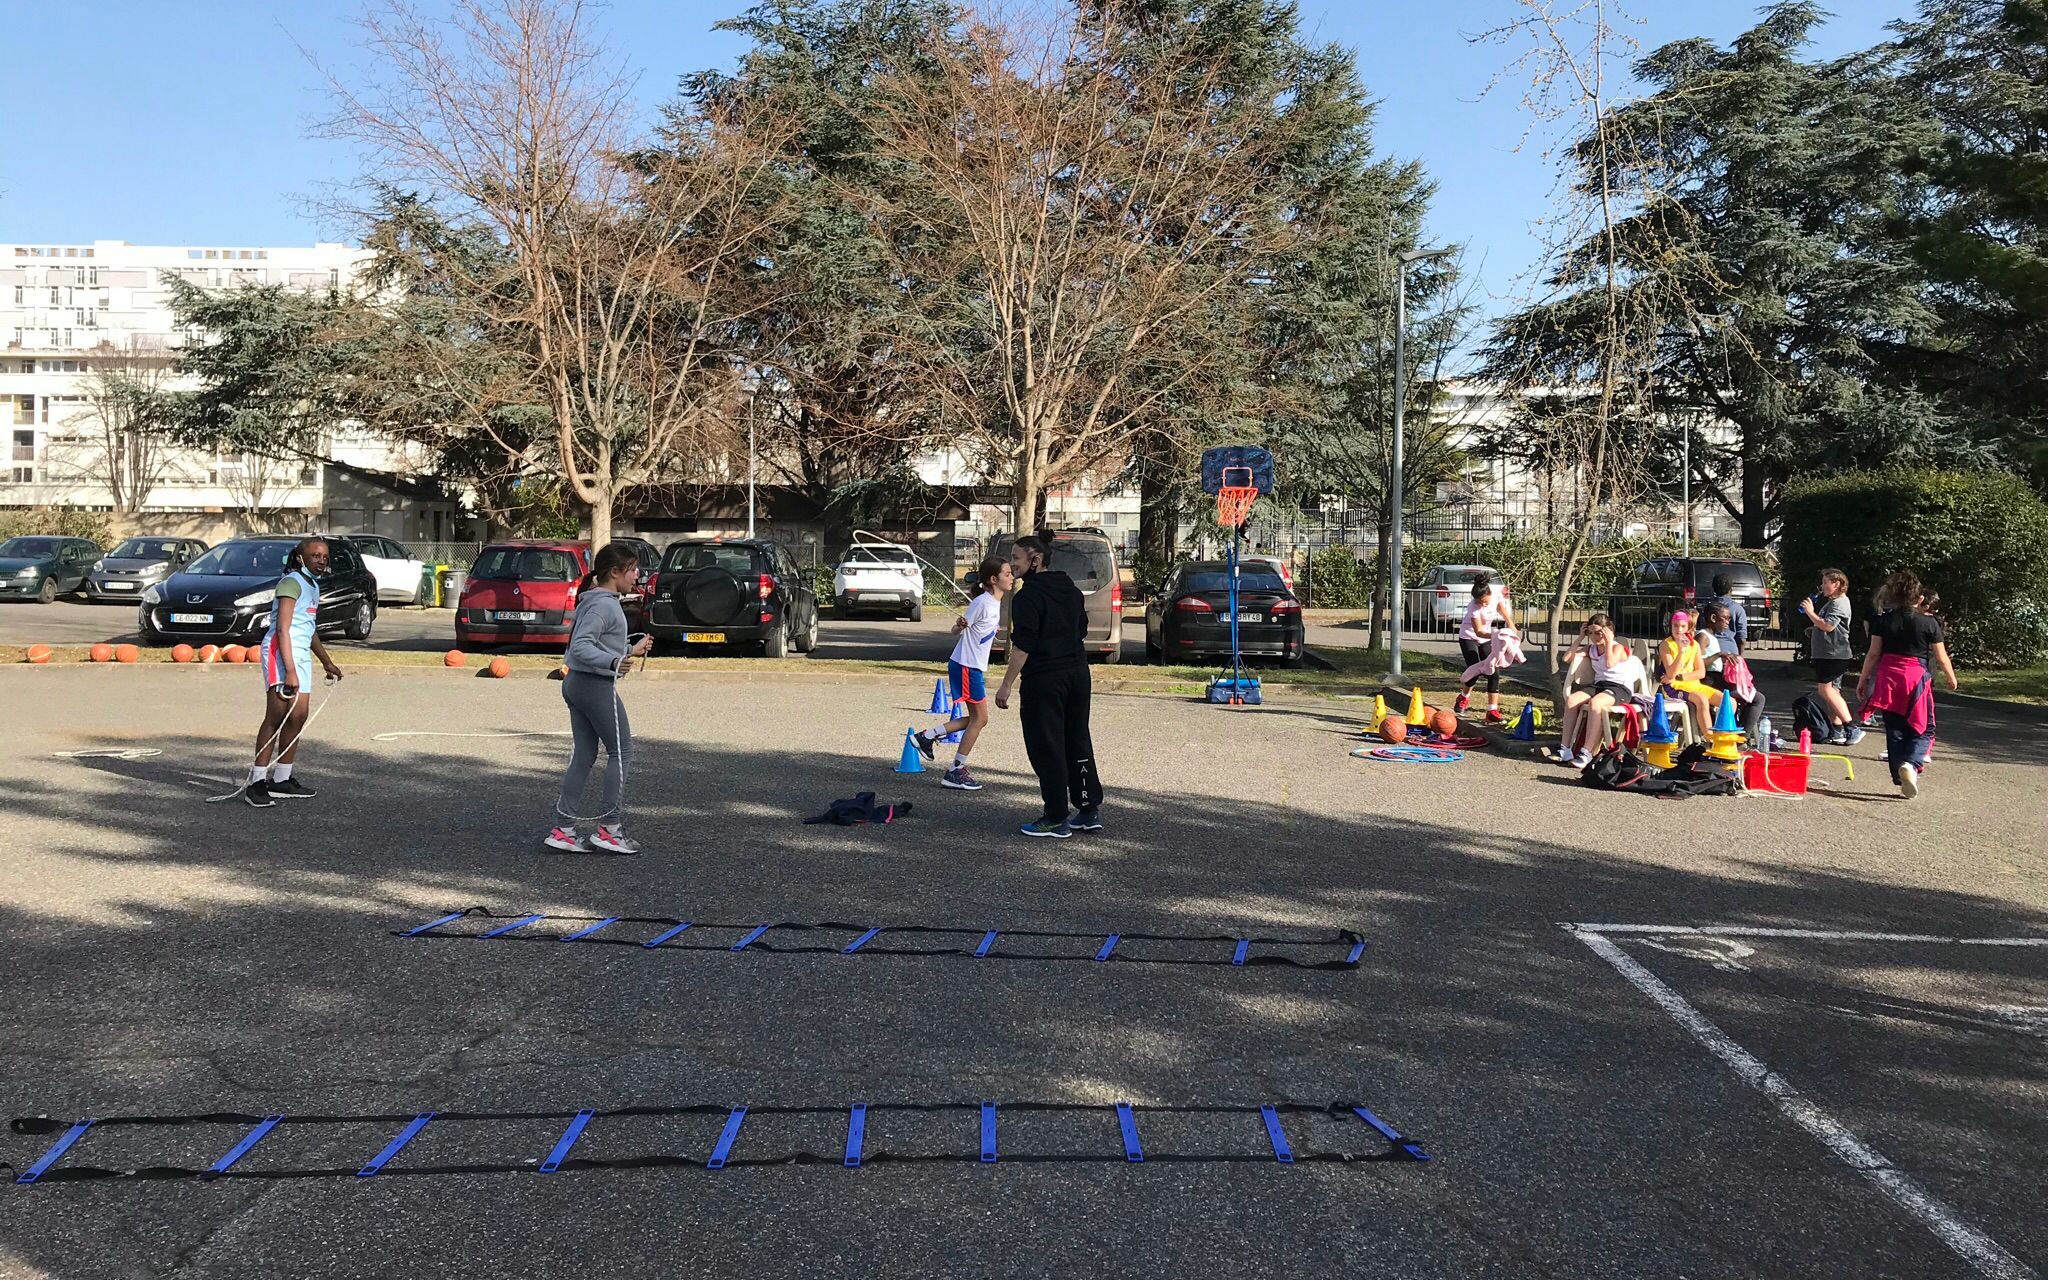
1979 539
56 523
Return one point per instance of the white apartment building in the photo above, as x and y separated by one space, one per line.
68 310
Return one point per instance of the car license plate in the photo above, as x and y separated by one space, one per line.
1243 618
118 586
504 615
195 619
890 596
704 637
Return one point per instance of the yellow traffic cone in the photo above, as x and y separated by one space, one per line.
1418 714
1379 713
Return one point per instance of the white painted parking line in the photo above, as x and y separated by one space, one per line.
1982 1252
1819 935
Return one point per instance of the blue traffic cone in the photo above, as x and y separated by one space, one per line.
1724 721
1659 729
959 710
938 707
913 759
1525 725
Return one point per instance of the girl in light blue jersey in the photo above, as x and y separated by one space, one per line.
289 648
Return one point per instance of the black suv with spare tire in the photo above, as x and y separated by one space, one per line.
713 592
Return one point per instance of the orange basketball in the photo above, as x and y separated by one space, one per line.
233 653
1445 722
499 668
102 653
128 653
1394 729
39 653
454 658
209 653
182 653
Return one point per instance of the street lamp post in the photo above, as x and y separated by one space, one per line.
1397 484
752 413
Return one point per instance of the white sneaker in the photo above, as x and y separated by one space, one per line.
1582 759
1909 781
566 840
613 840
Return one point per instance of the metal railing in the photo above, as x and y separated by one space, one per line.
1435 612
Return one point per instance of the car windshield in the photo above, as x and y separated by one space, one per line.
143 549
1467 576
1740 573
880 555
1220 581
688 557
1090 565
242 560
30 548
524 564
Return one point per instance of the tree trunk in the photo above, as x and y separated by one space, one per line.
601 517
1755 515
1379 591
1158 514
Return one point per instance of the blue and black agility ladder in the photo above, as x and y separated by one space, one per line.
1239 1143
668 934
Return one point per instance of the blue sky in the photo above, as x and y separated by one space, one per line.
188 123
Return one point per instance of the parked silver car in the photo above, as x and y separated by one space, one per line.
123 574
1448 590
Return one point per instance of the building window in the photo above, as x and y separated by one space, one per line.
106 299
93 276
193 253
71 253
67 337
19 301
213 253
262 255
56 296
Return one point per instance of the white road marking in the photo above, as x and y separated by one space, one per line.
1820 935
1979 1250
1725 954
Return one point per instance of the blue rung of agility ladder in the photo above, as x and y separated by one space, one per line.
507 928
753 936
242 1148
396 1145
1357 950
988 1133
665 935
566 1141
726 1138
1277 1136
1107 947
856 1132
56 1151
859 942
1244 947
987 940
581 934
450 918
1391 1134
1129 1124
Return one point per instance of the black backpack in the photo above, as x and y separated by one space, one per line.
1810 715
1615 769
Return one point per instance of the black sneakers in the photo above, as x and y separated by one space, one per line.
1086 820
291 789
257 795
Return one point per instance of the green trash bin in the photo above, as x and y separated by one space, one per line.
430 586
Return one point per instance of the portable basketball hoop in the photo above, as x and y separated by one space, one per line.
1236 474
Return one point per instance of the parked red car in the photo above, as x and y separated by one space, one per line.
521 593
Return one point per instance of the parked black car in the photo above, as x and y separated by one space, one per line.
1644 601
138 564
1189 616
224 596
732 591
41 568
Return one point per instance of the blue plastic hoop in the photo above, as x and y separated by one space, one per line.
1409 755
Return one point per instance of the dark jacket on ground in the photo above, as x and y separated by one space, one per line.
1048 622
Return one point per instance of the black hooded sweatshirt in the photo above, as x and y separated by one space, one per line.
1049 622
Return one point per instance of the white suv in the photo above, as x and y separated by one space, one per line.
879 577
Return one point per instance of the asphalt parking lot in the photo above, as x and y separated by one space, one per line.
174 959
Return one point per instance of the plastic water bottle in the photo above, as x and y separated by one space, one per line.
1806 742
1765 739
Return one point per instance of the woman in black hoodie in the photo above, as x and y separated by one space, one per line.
1048 623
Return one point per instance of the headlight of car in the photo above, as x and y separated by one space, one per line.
99 566
154 595
29 572
256 597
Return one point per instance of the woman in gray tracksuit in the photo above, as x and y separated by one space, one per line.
600 651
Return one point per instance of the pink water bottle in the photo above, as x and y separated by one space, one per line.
1806 742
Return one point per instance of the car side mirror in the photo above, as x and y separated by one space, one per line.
973 582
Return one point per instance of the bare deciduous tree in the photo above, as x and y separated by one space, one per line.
1089 232
628 268
124 444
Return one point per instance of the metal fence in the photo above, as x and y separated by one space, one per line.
1439 613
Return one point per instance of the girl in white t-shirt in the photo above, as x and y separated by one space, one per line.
967 672
1487 613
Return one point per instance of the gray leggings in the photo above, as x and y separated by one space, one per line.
596 715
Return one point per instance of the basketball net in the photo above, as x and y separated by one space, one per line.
1234 504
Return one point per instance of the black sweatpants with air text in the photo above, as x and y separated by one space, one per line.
1054 713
